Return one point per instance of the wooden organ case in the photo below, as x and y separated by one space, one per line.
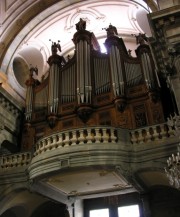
93 89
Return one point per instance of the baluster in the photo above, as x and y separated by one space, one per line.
169 130
164 131
144 134
89 136
10 161
113 136
19 159
2 162
66 141
54 142
148 135
97 136
49 142
105 136
39 147
140 137
74 138
14 160
28 157
60 140
22 159
81 136
5 162
25 158
43 145
158 130
155 134
133 137
35 149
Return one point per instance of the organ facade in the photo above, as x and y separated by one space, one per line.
93 88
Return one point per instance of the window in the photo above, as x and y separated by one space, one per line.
128 211
99 213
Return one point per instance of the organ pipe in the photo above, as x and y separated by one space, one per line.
68 85
29 100
83 72
116 71
133 73
148 72
30 83
56 62
53 96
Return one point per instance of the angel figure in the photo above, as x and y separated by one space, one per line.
141 38
32 81
55 47
33 70
111 30
81 25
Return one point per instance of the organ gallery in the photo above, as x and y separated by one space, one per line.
93 88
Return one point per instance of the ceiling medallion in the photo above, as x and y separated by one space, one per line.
92 17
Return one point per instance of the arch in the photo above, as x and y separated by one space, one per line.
16 211
25 24
50 209
177 64
9 213
150 177
7 147
164 201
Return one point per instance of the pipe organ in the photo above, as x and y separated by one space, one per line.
95 88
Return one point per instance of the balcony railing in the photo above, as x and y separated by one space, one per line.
151 133
15 160
74 137
85 136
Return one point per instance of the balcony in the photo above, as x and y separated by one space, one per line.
92 160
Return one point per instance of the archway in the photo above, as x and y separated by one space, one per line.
50 209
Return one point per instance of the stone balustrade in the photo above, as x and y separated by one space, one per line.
76 137
85 136
151 133
4 102
15 160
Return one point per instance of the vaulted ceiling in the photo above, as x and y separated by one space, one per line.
27 26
